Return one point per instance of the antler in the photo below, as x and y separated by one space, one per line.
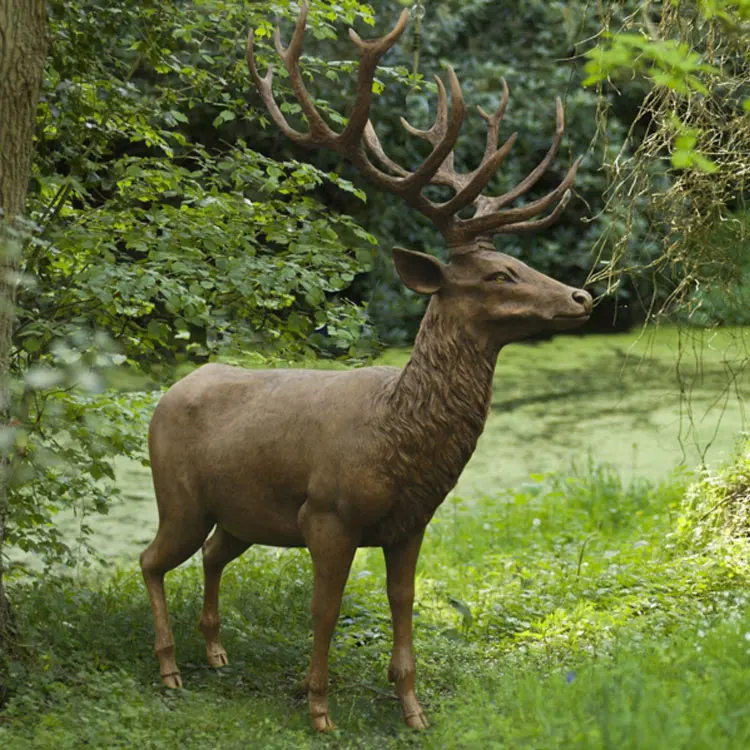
490 216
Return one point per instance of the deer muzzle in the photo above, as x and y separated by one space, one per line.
579 309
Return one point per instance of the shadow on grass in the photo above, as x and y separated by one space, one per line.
92 636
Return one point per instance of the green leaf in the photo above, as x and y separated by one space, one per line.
682 159
704 163
226 115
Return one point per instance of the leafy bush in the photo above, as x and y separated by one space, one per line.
723 297
67 462
168 228
159 235
717 507
689 165
727 305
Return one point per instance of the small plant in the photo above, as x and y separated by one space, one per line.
718 506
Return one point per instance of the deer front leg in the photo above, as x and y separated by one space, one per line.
401 565
332 550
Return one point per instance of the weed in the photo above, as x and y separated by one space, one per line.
720 502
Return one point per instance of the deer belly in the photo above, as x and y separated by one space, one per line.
262 522
259 507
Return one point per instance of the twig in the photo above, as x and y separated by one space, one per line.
581 553
718 505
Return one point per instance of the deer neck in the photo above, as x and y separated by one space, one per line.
438 405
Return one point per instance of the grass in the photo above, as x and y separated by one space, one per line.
577 607
569 612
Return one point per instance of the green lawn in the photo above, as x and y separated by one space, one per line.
567 614
571 608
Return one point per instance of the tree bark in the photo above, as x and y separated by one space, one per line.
23 46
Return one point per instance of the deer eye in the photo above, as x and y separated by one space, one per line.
500 277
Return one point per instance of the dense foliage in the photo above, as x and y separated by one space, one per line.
160 232
169 222
158 220
694 60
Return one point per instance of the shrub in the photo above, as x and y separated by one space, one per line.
718 505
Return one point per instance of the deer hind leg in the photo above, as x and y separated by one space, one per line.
219 550
174 543
332 550
401 564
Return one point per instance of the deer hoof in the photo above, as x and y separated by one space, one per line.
217 657
417 720
172 681
322 723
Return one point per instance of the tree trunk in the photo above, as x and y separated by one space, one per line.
23 47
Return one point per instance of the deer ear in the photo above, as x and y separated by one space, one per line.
421 273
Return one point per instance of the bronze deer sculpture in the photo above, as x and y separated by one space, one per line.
333 461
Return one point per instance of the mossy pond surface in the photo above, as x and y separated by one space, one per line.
646 402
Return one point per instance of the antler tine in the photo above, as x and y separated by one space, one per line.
467 186
446 174
370 52
437 168
472 184
319 130
530 227
437 131
505 221
266 93
373 143
320 133
493 121
490 219
493 204
444 146
382 44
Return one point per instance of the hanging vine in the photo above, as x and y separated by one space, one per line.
686 163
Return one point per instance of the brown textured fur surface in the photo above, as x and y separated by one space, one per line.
437 408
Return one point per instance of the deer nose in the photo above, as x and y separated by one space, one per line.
583 298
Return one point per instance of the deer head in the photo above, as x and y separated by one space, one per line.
497 296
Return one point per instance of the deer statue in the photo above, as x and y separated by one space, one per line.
336 460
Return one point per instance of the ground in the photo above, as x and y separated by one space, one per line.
572 609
